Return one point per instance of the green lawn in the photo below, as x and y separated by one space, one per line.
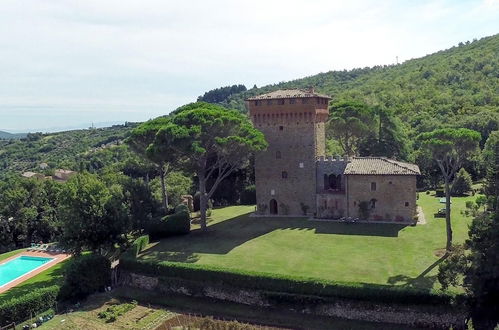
371 253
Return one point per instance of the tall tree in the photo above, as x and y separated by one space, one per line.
141 138
388 138
212 141
93 216
350 122
449 147
490 158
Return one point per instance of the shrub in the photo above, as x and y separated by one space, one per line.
137 246
178 223
284 284
23 307
248 195
196 201
181 208
113 312
85 275
462 183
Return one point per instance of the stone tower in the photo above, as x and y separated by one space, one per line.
293 123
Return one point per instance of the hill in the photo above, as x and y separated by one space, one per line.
63 149
6 135
458 86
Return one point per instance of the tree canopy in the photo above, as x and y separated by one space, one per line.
212 141
449 148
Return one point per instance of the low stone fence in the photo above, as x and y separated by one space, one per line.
430 316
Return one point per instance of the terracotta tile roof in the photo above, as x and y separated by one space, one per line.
287 93
380 166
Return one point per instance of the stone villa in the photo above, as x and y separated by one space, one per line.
294 177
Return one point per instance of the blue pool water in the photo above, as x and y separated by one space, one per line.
14 268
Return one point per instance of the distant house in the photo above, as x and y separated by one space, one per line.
43 166
63 175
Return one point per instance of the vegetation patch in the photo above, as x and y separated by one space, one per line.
115 311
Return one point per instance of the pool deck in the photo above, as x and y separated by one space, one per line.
58 257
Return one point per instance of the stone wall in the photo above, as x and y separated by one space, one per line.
413 315
285 172
395 196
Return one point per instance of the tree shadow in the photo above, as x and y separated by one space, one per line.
224 236
419 282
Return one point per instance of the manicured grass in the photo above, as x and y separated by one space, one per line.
370 253
10 254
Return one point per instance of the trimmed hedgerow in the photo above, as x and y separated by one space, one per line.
137 246
23 307
178 223
285 283
85 275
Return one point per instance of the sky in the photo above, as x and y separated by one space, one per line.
67 64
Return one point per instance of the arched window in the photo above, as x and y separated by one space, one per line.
284 174
278 155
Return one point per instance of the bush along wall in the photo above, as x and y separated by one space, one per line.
178 223
285 284
28 305
86 274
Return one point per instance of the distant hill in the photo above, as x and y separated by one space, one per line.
62 149
454 87
7 135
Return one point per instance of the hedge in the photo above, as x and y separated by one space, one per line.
285 283
137 246
85 275
178 223
28 305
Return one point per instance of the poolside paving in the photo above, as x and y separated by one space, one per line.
58 257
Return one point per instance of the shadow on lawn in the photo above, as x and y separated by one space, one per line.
419 282
224 236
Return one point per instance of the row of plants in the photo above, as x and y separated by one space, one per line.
285 283
28 305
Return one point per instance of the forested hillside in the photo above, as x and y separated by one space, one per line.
63 149
7 135
455 87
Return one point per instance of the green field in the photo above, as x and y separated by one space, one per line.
371 253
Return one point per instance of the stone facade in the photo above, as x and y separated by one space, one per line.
294 178
285 172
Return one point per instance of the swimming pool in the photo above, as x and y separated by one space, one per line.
20 266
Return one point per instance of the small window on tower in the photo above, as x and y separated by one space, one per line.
373 203
281 128
373 186
280 102
292 101
284 174
301 165
406 203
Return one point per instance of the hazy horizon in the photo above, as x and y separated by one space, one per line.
68 64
